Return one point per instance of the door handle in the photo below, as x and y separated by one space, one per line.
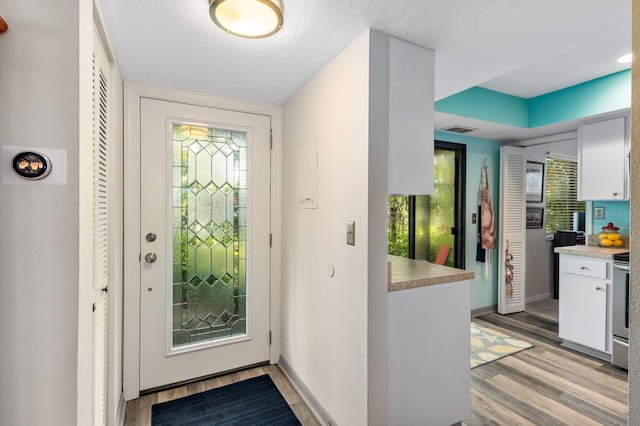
150 257
151 237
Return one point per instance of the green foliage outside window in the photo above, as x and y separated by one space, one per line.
398 232
434 215
561 194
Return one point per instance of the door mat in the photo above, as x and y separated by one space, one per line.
489 345
255 401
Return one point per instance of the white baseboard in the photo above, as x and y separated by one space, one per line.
538 298
494 308
122 409
316 408
484 310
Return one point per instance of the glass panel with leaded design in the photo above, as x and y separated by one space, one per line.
209 236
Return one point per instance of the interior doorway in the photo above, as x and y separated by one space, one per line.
420 225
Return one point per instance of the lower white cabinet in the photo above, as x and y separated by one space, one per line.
429 346
584 301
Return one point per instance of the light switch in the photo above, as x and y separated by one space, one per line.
351 233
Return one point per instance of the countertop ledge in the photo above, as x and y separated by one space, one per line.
591 251
406 274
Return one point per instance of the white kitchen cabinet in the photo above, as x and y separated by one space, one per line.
429 335
584 302
411 109
603 159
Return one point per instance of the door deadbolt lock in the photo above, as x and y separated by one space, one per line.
150 257
151 237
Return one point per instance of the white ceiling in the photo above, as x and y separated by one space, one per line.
520 47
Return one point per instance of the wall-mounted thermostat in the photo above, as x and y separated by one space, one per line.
23 165
31 165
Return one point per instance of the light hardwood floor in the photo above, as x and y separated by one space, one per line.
547 309
547 384
138 411
544 385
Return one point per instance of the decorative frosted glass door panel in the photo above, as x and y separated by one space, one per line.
209 234
205 199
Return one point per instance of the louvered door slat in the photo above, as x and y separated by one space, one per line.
511 270
100 209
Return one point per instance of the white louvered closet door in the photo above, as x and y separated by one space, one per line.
513 232
100 228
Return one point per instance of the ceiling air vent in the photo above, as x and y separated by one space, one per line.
458 129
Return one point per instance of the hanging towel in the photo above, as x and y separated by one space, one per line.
487 224
487 228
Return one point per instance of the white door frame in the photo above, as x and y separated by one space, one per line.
133 92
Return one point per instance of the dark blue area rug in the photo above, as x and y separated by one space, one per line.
252 402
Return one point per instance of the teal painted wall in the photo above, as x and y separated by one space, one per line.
605 94
598 96
488 105
616 212
483 287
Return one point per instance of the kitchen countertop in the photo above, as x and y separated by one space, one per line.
406 273
591 251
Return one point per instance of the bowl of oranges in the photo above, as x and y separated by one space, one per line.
610 237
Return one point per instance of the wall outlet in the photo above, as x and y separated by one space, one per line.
599 212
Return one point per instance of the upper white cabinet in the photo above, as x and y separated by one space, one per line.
603 159
411 108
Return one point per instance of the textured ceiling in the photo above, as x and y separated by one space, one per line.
520 47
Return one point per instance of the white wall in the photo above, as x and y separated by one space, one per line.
539 278
379 124
39 227
324 319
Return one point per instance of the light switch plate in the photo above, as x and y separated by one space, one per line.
351 233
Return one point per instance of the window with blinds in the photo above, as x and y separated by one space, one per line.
561 194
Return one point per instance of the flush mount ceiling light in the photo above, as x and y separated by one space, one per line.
247 18
624 59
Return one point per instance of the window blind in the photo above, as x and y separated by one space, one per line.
561 194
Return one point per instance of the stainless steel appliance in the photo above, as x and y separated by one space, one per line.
620 314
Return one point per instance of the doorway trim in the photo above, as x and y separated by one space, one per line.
133 92
460 207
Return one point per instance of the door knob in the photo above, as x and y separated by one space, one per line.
150 257
151 237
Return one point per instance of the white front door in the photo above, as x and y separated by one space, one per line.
205 250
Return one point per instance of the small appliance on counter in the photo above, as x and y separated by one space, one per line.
578 228
561 239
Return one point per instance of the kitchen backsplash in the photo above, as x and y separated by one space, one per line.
614 211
